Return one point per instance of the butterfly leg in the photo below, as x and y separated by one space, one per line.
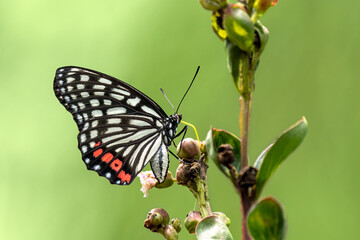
177 156
184 130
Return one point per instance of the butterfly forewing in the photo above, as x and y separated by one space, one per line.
120 128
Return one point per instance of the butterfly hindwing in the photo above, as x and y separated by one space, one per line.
120 128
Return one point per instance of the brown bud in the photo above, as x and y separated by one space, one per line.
226 154
247 177
188 172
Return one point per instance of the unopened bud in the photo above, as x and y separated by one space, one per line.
168 182
156 219
191 221
226 154
261 6
239 27
213 5
188 149
176 223
170 233
223 217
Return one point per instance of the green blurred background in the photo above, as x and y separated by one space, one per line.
310 67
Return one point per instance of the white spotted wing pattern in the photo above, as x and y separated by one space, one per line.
120 128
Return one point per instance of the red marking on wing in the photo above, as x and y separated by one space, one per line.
97 152
97 144
107 157
124 176
116 165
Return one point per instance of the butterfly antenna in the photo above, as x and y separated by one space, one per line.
167 98
197 70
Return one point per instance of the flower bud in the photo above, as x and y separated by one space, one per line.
170 233
213 5
188 149
223 217
176 223
239 27
156 219
168 182
191 221
260 6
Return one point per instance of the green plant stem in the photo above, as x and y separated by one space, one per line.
247 69
202 197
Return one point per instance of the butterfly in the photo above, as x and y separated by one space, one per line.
121 129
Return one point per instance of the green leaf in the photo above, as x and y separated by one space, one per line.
212 227
263 34
266 220
277 152
234 56
214 139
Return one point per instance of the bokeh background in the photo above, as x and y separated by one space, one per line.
310 67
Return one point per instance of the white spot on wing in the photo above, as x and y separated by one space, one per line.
62 90
113 120
69 79
87 160
150 111
133 101
96 167
104 80
107 102
81 105
69 88
80 86
96 113
83 137
84 78
94 102
86 126
99 93
79 118
67 99
86 117
137 122
84 149
123 92
73 106
94 123
84 94
117 96
116 110
60 81
99 87
108 175
93 134
113 129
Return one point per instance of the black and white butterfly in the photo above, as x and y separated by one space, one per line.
120 128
